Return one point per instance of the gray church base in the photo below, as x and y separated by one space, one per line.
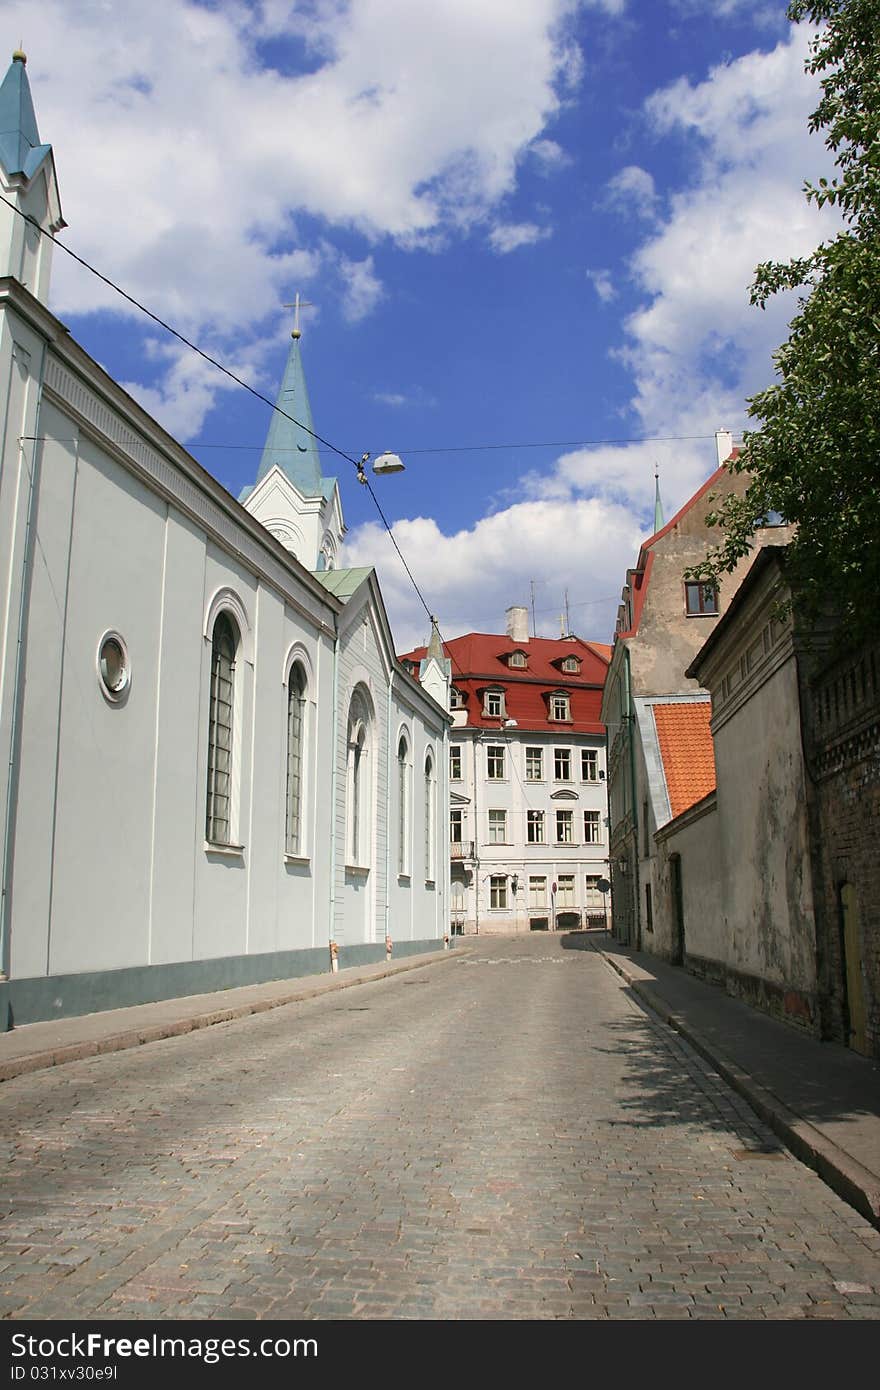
65 996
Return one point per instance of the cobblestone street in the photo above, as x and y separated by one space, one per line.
506 1135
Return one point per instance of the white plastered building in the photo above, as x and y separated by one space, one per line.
198 707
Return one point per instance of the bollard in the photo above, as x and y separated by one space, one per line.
334 957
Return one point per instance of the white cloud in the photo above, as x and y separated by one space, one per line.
694 347
632 191
363 288
510 236
602 284
474 575
185 163
549 156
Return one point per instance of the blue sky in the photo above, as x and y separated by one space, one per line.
526 227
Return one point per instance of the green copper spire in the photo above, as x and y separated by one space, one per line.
659 522
289 445
20 148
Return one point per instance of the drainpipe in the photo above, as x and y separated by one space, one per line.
5 951
331 921
631 716
476 739
388 819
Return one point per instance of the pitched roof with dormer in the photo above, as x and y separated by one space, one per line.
479 663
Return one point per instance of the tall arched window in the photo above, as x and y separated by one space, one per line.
359 829
296 707
402 807
429 818
224 643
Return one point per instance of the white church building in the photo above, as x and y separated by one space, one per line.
201 713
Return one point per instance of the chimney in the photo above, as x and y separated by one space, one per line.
723 445
518 624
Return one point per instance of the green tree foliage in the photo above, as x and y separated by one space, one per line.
815 457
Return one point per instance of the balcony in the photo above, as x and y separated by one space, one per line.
461 849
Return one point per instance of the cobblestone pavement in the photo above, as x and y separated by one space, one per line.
504 1136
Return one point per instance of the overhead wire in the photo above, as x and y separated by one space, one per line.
206 356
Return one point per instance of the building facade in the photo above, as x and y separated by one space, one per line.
527 816
197 705
663 621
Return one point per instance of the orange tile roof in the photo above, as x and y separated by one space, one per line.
687 752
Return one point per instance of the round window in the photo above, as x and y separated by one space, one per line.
113 665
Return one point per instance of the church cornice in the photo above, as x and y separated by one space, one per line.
107 414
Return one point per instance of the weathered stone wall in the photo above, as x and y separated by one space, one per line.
841 716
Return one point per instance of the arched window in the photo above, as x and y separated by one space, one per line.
296 706
359 827
402 806
429 818
224 644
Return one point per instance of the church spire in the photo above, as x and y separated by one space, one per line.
292 447
28 182
659 523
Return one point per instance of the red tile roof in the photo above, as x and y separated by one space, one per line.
479 661
687 752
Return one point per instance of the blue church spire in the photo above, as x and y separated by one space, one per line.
659 523
20 148
288 445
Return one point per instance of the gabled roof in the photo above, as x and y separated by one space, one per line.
480 660
638 578
20 148
343 582
686 750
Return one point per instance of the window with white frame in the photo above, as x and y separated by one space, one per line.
560 706
535 827
429 819
564 821
517 659
571 663
455 762
537 891
497 827
296 705
358 784
565 890
589 765
224 645
534 764
562 764
402 806
456 698
497 891
493 704
495 762
455 827
593 900
592 827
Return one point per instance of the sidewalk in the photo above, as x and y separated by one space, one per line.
821 1099
35 1046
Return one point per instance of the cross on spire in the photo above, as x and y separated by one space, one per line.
296 306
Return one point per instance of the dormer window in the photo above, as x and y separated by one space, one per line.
493 704
571 663
560 706
456 699
518 660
